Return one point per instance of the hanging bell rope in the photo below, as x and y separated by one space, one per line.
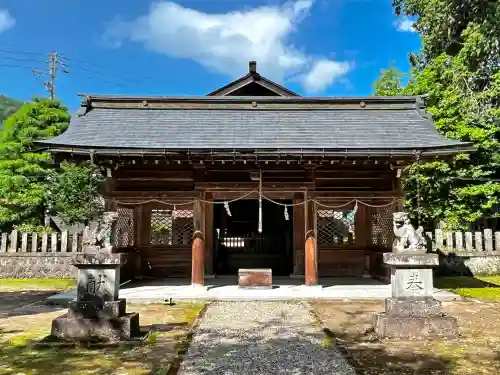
355 208
226 206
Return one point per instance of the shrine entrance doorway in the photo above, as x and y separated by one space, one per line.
238 243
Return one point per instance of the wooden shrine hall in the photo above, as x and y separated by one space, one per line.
253 175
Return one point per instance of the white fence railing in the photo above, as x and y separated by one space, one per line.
47 242
479 242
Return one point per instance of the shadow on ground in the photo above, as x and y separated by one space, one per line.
473 353
25 303
462 282
21 354
369 356
237 354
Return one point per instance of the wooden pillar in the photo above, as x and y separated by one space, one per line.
311 247
209 235
399 194
109 187
299 233
198 247
138 239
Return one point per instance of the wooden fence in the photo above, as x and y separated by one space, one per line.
480 242
44 242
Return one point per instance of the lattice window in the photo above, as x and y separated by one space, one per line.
169 227
382 231
125 227
336 227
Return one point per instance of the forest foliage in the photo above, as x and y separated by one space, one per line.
457 72
32 185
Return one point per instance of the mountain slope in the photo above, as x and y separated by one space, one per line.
7 107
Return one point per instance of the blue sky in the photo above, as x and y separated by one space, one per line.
191 47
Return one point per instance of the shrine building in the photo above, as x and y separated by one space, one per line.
253 175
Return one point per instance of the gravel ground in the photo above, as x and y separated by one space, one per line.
261 338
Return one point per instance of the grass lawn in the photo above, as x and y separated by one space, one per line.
169 326
15 285
474 353
481 287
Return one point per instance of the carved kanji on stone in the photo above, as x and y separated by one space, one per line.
414 282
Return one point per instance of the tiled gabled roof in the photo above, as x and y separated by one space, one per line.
252 78
373 124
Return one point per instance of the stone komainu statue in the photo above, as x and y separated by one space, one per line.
99 235
407 239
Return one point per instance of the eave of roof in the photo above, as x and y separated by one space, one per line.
420 153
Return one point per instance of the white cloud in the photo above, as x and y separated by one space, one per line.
6 20
405 24
323 73
225 42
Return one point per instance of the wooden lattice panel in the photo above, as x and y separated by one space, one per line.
335 227
125 227
382 231
171 227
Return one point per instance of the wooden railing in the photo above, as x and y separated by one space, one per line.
46 242
479 242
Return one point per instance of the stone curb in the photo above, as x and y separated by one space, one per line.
186 343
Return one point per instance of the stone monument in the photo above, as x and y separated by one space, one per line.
412 312
97 314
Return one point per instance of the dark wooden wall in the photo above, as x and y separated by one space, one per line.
333 183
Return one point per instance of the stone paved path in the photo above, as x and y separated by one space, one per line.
261 338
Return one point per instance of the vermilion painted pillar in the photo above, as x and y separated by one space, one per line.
311 259
198 260
198 247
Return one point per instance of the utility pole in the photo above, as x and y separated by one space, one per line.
51 73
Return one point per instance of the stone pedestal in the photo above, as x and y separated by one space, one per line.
97 314
412 312
255 278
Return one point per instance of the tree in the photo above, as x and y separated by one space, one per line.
390 82
23 171
75 192
458 72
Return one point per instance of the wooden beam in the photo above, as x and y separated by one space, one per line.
155 194
158 178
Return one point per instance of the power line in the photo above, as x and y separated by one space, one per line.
22 52
104 74
58 63
15 66
101 68
103 80
21 59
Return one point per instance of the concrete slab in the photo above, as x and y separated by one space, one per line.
226 289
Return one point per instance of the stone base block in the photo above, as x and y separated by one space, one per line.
255 278
415 327
88 309
426 306
96 329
